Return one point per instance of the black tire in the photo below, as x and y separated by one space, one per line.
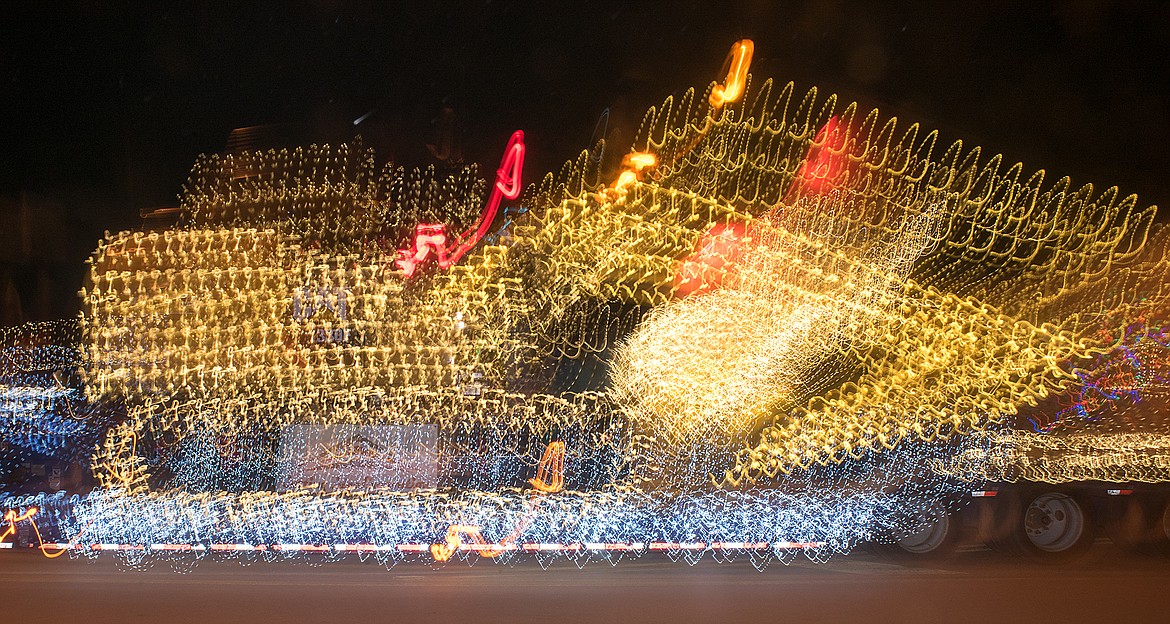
1133 524
1161 537
937 540
1046 526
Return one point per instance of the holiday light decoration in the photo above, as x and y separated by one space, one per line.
1125 389
1031 456
1115 429
781 325
44 416
407 525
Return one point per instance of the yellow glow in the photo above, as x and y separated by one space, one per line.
638 161
920 292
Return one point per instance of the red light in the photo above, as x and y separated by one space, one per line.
715 256
428 238
431 238
825 163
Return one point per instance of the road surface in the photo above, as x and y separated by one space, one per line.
977 586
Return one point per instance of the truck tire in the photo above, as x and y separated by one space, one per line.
937 540
1164 535
1138 525
1047 526
1161 543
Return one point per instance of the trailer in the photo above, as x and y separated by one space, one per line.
777 321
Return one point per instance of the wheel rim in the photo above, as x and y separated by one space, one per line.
930 538
1166 521
1054 522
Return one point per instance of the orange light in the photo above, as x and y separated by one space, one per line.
550 472
637 161
11 518
632 166
739 60
452 541
625 181
550 478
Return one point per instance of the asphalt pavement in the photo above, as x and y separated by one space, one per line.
975 586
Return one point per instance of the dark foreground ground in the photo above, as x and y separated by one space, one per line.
978 586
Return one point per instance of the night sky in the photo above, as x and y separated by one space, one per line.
105 109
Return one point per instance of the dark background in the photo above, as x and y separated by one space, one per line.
106 107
